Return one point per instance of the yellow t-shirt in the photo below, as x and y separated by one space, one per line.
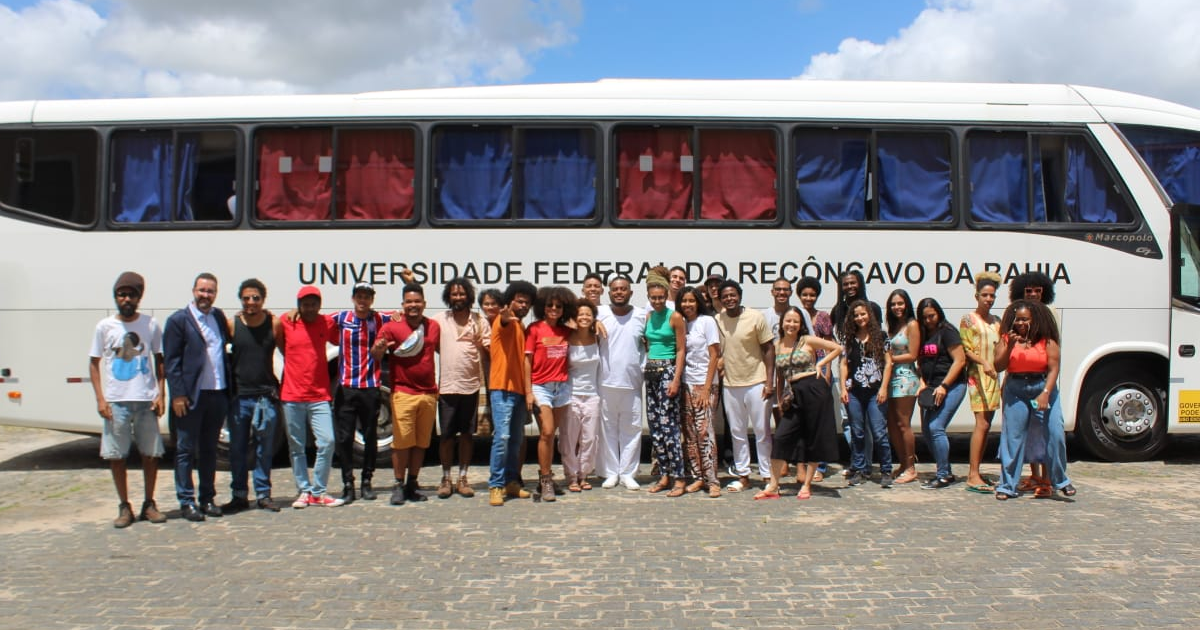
741 347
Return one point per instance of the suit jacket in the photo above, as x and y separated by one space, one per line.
186 354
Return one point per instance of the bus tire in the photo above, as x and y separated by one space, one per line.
383 423
1122 415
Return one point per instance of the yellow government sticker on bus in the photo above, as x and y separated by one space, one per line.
1189 406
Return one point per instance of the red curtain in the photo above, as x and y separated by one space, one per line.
738 175
298 191
375 174
664 191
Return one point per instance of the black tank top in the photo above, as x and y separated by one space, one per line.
253 359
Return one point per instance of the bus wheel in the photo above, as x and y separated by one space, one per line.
1122 413
383 424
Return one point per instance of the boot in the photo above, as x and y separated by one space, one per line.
445 489
124 516
348 492
412 492
398 497
150 513
463 488
546 485
367 492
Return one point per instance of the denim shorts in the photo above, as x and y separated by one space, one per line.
130 421
555 394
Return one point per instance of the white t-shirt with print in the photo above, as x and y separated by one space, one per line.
126 351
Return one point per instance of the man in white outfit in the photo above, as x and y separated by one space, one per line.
748 360
622 357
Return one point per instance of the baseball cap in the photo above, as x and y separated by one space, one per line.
308 290
130 280
714 277
363 286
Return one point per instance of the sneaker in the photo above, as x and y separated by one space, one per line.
326 501
938 483
398 494
885 480
610 482
150 513
445 489
856 478
463 488
513 490
366 491
302 501
495 496
629 482
546 483
124 516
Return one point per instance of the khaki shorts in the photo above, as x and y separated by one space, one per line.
412 419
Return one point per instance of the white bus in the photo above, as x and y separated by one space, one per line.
918 185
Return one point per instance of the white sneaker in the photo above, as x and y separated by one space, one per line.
301 501
610 483
629 482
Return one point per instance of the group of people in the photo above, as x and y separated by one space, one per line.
584 372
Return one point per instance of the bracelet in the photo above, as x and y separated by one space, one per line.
1045 391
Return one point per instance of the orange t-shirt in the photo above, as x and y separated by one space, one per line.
1028 360
508 357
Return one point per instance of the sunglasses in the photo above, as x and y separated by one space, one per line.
127 295
251 298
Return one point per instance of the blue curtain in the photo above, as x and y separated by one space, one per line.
1086 198
185 187
474 173
143 166
831 175
558 174
914 177
1173 155
999 177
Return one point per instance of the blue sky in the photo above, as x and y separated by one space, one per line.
754 39
119 48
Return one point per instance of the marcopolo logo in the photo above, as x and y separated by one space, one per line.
1104 237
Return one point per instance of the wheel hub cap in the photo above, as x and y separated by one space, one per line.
1128 412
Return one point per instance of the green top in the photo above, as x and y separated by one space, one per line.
660 339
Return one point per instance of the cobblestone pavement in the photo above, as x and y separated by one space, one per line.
1122 554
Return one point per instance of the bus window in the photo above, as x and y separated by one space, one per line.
1072 180
375 174
738 175
557 174
831 174
295 174
159 176
654 173
1173 155
914 177
473 173
51 174
998 172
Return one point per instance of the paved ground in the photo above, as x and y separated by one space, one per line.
1123 554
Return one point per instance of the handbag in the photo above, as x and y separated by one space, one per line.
925 398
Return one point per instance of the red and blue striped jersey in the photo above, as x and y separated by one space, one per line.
356 368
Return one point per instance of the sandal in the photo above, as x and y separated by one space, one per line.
1067 490
1042 492
1000 496
695 486
660 486
908 476
766 494
584 485
818 477
804 494
738 485
574 487
677 491
1031 483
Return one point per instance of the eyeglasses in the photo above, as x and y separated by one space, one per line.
251 298
554 305
127 295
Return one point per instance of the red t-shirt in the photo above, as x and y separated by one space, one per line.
305 369
416 374
548 345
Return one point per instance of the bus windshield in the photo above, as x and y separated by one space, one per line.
1173 155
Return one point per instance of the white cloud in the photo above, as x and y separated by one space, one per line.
65 48
1150 48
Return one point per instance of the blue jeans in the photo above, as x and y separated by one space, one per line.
867 414
299 416
196 436
253 418
508 429
1019 415
933 426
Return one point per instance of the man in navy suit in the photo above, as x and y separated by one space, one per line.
197 369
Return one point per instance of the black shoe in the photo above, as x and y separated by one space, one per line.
938 483
211 509
266 503
192 514
367 492
885 480
412 494
235 505
856 479
398 494
348 493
